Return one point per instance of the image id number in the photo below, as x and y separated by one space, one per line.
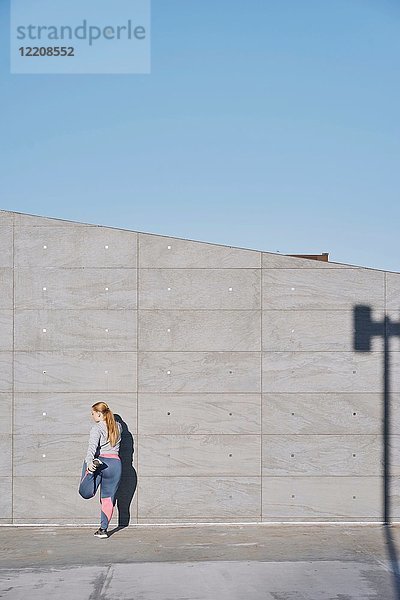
47 51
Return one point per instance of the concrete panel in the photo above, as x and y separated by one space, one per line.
199 413
318 519
6 363
393 491
75 371
6 499
86 329
75 288
393 292
394 316
200 455
6 242
168 252
318 330
394 453
6 413
34 221
68 413
182 497
200 288
199 372
6 288
394 361
6 217
6 330
324 455
271 260
328 498
322 413
332 289
182 330
166 520
39 455
322 372
394 412
91 521
71 246
5 455
56 499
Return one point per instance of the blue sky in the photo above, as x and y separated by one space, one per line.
271 125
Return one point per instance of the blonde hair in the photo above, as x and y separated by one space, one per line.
112 427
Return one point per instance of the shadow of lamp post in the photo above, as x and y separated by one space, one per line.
365 328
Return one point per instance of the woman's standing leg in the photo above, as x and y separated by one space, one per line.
111 477
89 482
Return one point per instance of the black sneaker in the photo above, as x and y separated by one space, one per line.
101 533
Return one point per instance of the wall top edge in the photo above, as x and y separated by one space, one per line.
284 257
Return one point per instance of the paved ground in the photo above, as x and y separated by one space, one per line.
204 562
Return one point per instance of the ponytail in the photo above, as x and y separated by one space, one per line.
112 427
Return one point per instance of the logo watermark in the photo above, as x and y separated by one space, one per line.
80 36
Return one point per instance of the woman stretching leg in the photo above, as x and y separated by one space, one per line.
106 469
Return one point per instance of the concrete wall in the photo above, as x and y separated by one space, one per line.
233 371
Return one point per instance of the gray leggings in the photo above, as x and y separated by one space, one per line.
109 475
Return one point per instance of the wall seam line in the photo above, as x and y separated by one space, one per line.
261 394
385 501
13 373
136 447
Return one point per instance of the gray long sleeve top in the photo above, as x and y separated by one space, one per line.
98 441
